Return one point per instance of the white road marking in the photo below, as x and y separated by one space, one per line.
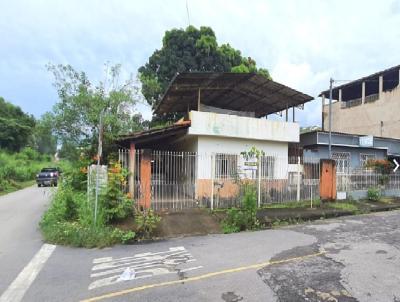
17 289
144 265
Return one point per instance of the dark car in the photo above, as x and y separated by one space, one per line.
48 177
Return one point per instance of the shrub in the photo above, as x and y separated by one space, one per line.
374 194
70 217
76 234
146 222
116 204
244 218
19 167
382 166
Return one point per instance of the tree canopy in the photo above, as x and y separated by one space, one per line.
191 49
44 138
81 103
16 127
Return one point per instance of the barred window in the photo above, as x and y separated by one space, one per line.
342 161
267 167
226 165
364 158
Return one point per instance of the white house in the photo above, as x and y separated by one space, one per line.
223 114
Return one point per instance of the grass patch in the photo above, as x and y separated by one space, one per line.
387 200
18 185
70 217
18 170
346 206
293 204
69 221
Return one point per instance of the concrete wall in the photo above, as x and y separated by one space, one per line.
208 145
224 125
362 194
323 152
366 118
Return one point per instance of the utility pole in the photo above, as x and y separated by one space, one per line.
99 153
330 117
187 11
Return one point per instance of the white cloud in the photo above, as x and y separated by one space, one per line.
302 43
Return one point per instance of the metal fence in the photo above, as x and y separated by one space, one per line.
360 180
182 180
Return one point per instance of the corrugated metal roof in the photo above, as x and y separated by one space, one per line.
154 134
233 91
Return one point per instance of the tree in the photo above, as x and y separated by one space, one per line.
77 114
44 139
16 127
191 49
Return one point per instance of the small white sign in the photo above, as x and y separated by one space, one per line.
366 141
250 164
341 196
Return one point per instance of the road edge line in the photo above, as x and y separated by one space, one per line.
17 289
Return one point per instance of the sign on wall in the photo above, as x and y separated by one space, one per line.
366 141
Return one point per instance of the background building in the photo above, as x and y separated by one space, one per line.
350 151
367 106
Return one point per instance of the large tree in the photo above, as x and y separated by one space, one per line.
44 138
191 49
81 103
16 127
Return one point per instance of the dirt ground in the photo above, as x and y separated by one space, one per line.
188 222
200 221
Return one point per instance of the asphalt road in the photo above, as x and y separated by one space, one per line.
20 238
351 259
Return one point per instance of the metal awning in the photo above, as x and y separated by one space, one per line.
248 92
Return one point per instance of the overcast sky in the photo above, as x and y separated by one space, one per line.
302 43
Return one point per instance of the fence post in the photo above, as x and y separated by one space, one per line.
212 180
145 179
132 158
327 182
259 182
298 178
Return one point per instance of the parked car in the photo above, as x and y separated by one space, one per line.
48 177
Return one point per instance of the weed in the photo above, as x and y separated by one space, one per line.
146 223
347 206
244 218
293 204
70 220
374 194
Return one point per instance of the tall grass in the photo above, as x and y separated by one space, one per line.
70 217
16 168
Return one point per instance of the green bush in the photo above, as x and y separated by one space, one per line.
116 204
70 217
146 222
20 167
244 218
374 194
78 235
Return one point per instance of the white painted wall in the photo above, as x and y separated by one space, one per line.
212 133
214 144
207 145
224 125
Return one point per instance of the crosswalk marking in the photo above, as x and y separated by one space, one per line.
145 265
